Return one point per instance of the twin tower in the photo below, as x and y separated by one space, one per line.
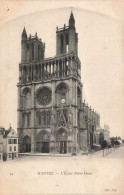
51 115
33 49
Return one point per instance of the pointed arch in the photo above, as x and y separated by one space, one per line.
61 92
42 136
61 134
62 121
62 85
26 96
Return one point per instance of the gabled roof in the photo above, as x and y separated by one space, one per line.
10 133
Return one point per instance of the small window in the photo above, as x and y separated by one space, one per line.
10 155
15 141
14 148
9 141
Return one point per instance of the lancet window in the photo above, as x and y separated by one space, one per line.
26 96
26 119
44 118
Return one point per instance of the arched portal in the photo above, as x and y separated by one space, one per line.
26 144
61 139
43 140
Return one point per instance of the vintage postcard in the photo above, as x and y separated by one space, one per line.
61 97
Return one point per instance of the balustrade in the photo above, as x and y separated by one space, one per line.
49 68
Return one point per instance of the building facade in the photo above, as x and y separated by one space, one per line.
10 144
1 143
52 117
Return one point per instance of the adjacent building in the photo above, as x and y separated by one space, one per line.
1 143
52 115
10 144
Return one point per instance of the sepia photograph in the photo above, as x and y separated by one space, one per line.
61 97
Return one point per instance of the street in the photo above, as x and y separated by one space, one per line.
57 175
111 153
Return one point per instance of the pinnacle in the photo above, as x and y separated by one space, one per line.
24 31
71 16
71 20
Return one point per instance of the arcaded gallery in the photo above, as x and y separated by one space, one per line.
52 115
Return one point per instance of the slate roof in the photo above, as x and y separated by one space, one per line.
6 133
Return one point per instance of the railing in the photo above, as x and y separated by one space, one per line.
35 37
107 151
50 68
63 28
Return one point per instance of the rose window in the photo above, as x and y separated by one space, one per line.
44 96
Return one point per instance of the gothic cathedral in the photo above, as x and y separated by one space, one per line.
51 115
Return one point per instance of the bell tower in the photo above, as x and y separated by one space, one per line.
67 38
32 48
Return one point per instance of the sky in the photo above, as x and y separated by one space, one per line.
100 50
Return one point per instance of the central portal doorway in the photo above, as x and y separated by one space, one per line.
63 147
45 147
28 147
43 142
26 144
62 139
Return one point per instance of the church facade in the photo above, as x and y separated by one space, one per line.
52 116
